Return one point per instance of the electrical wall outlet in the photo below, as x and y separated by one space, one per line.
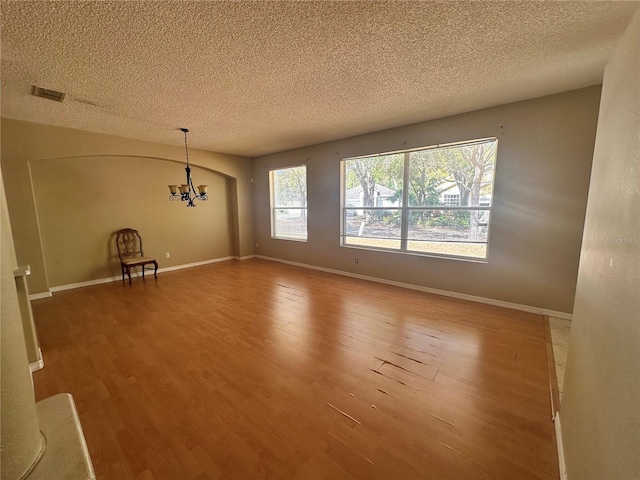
356 260
167 255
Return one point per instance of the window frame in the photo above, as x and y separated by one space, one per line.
405 210
273 207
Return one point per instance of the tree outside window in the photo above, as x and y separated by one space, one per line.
444 209
289 203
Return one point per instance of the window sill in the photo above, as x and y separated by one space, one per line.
419 254
293 239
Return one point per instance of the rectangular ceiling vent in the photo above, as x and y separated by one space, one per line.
50 94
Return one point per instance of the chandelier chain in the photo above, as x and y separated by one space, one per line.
186 148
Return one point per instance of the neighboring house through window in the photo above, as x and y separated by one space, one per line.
451 200
432 200
288 188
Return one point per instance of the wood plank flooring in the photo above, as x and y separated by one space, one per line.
258 370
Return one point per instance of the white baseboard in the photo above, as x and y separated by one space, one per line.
190 265
246 257
461 296
99 281
561 464
88 283
38 364
38 296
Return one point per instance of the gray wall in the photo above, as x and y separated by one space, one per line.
543 169
600 410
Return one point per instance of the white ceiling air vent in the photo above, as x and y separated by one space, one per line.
50 94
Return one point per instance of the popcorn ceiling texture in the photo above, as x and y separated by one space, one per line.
251 78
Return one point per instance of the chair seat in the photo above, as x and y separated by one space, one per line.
137 260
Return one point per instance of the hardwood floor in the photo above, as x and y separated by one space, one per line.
256 369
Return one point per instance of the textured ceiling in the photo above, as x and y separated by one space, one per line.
254 77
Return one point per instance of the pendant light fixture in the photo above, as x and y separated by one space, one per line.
186 192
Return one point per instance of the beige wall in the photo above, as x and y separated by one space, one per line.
68 190
81 201
543 168
600 409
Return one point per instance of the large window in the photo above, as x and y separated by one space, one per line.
289 203
432 201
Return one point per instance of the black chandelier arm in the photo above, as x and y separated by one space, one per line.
192 188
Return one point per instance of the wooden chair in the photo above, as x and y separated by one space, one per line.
131 255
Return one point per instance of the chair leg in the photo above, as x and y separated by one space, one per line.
155 270
129 274
143 269
122 268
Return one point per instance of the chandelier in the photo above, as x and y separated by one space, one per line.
186 192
